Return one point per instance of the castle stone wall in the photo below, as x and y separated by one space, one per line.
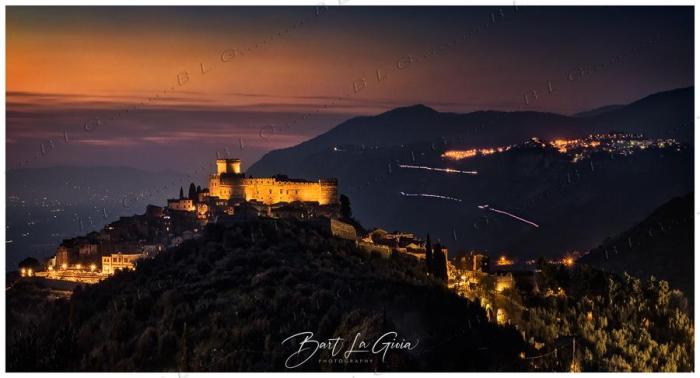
271 190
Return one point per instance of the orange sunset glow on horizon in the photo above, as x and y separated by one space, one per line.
165 76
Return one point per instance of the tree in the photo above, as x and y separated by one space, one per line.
185 350
428 254
345 210
439 263
435 263
192 192
30 263
182 195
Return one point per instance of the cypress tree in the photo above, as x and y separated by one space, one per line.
192 192
182 195
440 262
428 254
437 249
345 209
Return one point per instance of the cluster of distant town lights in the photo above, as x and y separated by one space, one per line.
612 143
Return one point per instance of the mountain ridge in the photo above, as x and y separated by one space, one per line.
608 192
486 128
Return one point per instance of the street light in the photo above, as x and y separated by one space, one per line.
568 261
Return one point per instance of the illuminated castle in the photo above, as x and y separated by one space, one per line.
230 183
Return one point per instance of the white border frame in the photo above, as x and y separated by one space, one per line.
313 3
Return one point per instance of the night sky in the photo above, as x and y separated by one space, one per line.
301 66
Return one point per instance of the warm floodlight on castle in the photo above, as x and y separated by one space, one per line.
230 182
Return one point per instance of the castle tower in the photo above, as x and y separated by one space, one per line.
220 166
328 191
234 165
228 166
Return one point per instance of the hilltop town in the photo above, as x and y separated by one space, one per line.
232 197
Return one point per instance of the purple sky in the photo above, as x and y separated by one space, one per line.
68 65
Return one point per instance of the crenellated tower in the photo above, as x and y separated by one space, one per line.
228 166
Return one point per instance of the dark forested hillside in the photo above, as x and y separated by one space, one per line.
226 301
590 320
661 245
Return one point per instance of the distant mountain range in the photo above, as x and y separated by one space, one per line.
598 111
662 115
576 205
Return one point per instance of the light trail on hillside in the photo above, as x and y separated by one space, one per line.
487 207
446 170
438 196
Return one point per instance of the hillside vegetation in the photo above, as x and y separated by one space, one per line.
226 302
661 245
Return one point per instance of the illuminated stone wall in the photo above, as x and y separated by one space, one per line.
504 282
270 190
343 230
62 257
182 204
233 185
119 261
